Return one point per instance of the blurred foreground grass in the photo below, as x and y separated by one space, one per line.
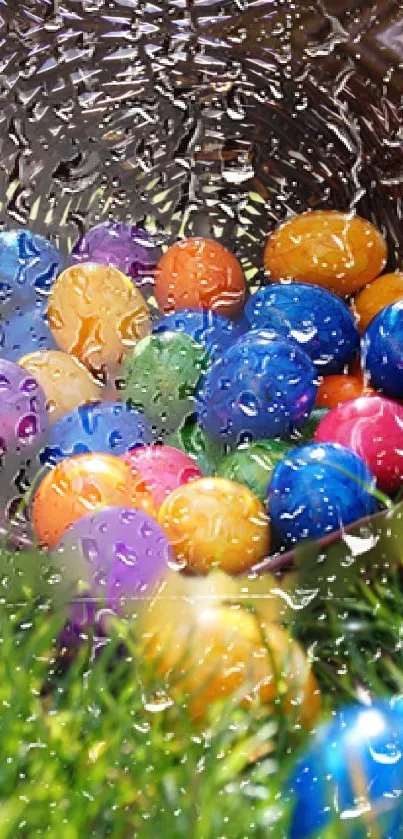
91 746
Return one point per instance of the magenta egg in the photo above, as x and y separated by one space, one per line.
164 468
372 427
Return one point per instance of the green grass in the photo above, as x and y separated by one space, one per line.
91 747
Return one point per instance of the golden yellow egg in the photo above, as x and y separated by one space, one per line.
338 251
67 383
97 314
216 523
208 648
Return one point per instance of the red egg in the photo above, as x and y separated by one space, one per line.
163 468
373 428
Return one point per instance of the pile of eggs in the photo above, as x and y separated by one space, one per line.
230 423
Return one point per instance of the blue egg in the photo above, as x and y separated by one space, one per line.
261 387
24 332
351 776
382 350
29 265
103 427
214 332
318 321
319 488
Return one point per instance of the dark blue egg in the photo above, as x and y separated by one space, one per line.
102 427
351 776
319 488
29 265
382 350
261 387
24 332
214 332
318 321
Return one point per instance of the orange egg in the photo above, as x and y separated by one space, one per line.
221 651
214 522
200 274
97 314
338 251
384 291
333 390
66 383
81 485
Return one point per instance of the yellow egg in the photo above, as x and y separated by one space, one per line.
338 251
66 383
97 314
208 648
216 523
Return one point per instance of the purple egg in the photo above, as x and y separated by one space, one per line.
116 557
23 415
130 249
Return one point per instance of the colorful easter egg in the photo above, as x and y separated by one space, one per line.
319 488
382 351
382 292
200 274
318 321
97 314
216 523
161 375
23 415
210 650
214 332
130 249
29 265
100 427
117 556
81 485
373 428
25 331
334 390
191 439
350 777
338 251
252 466
66 383
261 387
163 468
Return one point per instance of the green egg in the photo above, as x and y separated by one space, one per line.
160 378
253 465
192 440
306 433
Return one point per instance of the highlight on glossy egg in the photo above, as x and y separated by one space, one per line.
161 375
111 559
373 429
382 351
97 314
317 489
350 776
382 292
253 465
200 273
216 523
318 321
66 383
101 427
214 332
128 248
23 415
334 390
210 649
81 485
261 387
163 468
29 265
339 251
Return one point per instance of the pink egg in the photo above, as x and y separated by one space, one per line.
163 468
373 428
